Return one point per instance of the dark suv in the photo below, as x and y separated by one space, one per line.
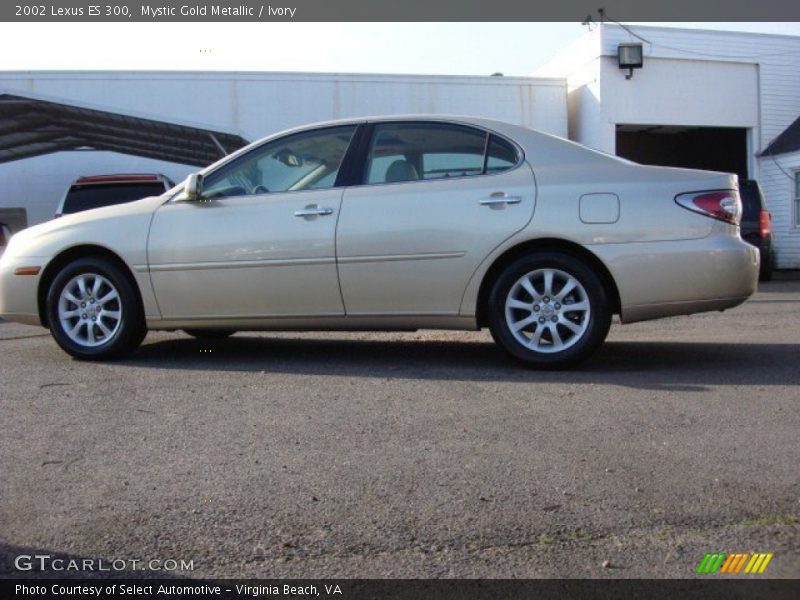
105 190
757 224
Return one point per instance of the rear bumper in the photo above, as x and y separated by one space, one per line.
18 293
662 279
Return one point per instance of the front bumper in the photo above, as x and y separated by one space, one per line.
662 279
19 293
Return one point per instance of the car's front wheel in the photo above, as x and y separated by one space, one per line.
93 310
549 310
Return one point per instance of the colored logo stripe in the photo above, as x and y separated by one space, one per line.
711 563
758 563
734 563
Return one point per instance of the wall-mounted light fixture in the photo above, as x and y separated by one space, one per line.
630 57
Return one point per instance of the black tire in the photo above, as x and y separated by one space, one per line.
131 330
577 347
210 334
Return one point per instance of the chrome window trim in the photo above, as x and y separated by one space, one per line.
520 150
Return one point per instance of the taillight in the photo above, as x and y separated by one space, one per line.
764 224
724 205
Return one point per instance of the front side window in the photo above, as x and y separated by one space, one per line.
403 152
304 161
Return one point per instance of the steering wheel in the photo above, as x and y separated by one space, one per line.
260 189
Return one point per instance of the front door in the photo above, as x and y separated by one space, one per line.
261 241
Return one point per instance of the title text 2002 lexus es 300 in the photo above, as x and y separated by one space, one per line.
396 223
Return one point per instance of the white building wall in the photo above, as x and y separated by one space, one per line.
580 64
255 105
777 175
692 77
681 92
587 123
777 58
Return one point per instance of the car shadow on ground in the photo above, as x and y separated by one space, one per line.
687 366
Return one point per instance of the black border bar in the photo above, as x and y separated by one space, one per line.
402 11
708 588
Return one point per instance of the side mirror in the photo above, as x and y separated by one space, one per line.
193 188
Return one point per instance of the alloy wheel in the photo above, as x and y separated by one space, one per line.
89 310
547 310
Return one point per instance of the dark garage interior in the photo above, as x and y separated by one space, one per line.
712 148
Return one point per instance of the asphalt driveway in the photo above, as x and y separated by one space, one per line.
411 455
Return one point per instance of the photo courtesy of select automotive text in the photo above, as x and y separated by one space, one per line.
358 300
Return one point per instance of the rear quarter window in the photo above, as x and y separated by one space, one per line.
500 156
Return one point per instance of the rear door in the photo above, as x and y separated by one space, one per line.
435 198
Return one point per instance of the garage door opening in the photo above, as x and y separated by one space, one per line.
711 148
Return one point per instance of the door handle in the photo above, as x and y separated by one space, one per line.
313 211
501 198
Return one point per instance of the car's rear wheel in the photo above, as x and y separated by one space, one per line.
210 334
549 310
93 310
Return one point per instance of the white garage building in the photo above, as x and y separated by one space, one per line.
702 99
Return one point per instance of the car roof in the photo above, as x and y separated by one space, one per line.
546 148
486 123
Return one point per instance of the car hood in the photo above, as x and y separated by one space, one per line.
120 228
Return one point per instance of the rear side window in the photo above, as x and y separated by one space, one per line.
403 152
84 197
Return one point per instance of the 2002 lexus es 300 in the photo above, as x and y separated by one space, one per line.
394 223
